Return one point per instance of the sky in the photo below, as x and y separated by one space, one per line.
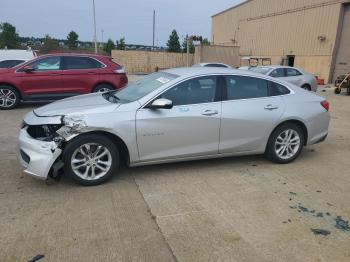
129 18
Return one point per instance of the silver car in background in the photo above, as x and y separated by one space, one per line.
212 64
174 115
292 75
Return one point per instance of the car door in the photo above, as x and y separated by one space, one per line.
80 74
249 114
43 78
294 76
190 128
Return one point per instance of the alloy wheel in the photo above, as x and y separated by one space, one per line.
287 144
91 161
7 97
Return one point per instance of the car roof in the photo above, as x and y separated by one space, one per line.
74 54
196 71
277 66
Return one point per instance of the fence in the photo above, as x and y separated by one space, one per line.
146 61
215 53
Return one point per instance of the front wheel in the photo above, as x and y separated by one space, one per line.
9 97
91 159
285 143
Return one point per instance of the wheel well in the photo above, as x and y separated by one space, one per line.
308 86
7 84
298 123
103 83
119 143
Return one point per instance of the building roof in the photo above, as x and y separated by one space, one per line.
233 7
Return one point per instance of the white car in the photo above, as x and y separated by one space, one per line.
212 65
12 57
289 74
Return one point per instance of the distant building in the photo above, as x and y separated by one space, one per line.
311 34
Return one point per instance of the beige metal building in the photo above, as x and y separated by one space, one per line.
310 34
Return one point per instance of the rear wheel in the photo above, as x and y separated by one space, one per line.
9 97
285 143
306 87
91 159
103 88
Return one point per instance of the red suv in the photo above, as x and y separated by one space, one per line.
52 77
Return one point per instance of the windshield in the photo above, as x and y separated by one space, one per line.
142 87
261 70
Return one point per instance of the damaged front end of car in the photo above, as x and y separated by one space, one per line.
42 140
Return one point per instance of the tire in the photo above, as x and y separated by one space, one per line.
81 162
348 91
279 140
103 88
306 87
337 90
9 97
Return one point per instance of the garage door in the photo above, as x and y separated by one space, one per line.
342 65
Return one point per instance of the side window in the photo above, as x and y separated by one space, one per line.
243 87
71 62
277 89
279 72
195 91
47 64
293 72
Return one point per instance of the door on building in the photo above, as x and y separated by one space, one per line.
290 60
342 62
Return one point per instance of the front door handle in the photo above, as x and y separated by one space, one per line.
210 112
271 107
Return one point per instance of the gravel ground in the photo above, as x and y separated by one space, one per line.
233 209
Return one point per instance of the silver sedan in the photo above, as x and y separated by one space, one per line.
289 74
174 115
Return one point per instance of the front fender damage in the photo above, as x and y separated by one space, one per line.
41 146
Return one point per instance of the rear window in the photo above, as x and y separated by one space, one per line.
260 70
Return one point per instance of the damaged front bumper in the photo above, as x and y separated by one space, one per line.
37 157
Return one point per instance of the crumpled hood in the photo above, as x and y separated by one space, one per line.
84 104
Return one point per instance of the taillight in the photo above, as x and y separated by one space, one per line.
325 104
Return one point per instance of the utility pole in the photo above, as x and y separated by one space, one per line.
154 27
188 50
95 33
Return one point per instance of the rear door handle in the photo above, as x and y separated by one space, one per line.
271 107
210 112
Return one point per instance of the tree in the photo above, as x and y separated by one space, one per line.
72 39
50 44
205 41
8 36
173 43
121 44
184 46
109 46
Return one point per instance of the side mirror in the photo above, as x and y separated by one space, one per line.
161 103
28 69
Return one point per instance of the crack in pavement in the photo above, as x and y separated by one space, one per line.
154 218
